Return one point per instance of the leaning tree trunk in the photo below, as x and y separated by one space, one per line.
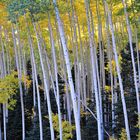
20 84
132 56
56 77
118 72
101 58
66 56
34 72
83 74
68 98
94 76
97 72
35 78
38 93
45 81
76 62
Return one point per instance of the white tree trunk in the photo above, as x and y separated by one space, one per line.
0 123
94 76
3 75
4 120
34 70
45 83
56 78
68 98
118 72
132 57
20 84
34 73
66 56
109 51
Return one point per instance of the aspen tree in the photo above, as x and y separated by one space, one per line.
2 76
0 124
94 76
34 69
56 78
118 72
109 50
132 55
76 63
66 56
20 84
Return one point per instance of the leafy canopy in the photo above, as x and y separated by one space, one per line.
17 8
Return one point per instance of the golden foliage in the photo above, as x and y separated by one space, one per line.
66 127
8 87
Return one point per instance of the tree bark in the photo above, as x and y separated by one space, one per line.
66 56
118 72
20 84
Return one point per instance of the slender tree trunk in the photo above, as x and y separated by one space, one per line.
37 86
20 85
110 70
23 65
76 68
0 123
4 120
138 58
102 71
3 75
38 94
94 76
50 73
66 55
132 56
56 78
7 66
45 82
118 72
83 74
97 72
68 97
34 92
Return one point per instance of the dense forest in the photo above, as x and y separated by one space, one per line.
69 69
